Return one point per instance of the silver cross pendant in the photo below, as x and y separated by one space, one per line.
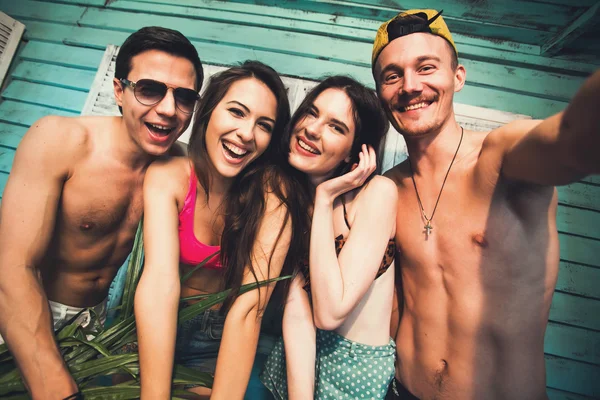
428 228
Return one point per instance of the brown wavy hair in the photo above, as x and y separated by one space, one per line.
244 204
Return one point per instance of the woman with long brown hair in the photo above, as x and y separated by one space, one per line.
336 320
217 199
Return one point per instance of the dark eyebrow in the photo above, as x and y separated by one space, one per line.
239 104
248 110
428 58
334 120
337 121
269 119
389 67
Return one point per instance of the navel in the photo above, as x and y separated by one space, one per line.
480 240
441 373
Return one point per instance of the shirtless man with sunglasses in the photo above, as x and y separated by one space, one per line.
73 202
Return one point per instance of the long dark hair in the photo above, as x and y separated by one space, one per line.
245 202
217 88
371 123
371 126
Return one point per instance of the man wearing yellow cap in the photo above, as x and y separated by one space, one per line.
476 225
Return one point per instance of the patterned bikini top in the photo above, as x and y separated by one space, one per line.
388 256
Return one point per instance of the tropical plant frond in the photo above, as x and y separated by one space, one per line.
186 276
190 376
134 271
90 359
207 302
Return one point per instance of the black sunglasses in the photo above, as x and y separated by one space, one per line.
150 92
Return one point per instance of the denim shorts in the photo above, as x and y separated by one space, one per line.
198 341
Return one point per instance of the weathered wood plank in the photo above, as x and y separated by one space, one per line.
574 310
573 3
68 78
555 394
288 18
509 77
580 195
295 65
516 13
99 3
26 114
6 159
578 221
572 31
477 25
347 51
592 179
64 13
74 35
573 376
3 180
573 343
293 43
302 67
523 80
67 56
468 44
499 99
45 95
11 135
251 11
580 250
581 280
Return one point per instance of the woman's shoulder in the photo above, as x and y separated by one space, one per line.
171 167
380 192
379 185
171 173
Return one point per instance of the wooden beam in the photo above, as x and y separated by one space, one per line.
572 31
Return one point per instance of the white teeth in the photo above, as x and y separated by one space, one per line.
235 149
415 106
161 128
307 147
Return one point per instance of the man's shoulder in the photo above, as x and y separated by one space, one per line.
399 172
61 136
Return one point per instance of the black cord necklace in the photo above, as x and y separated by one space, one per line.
428 228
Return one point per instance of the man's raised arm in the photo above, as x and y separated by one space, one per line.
27 220
559 150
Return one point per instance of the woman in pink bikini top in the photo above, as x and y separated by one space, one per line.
188 202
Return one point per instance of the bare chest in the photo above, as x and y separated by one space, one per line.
492 238
97 202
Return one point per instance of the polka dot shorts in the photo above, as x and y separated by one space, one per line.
344 370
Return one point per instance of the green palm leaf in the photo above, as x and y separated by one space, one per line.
90 359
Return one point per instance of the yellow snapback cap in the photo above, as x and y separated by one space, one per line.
396 27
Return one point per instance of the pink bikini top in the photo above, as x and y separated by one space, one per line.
191 250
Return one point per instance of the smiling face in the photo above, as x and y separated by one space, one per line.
155 128
240 126
323 138
416 83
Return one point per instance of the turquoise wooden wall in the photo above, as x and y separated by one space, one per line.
65 40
